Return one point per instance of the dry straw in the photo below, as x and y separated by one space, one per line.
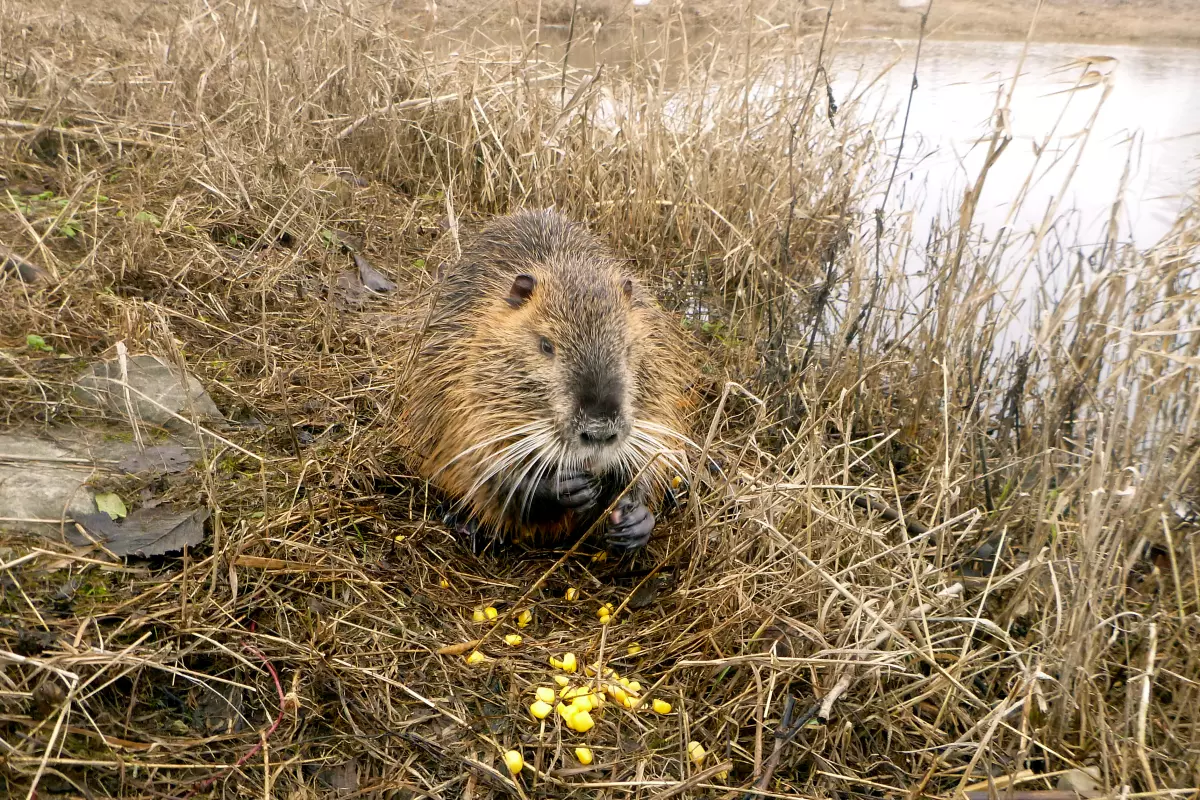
943 547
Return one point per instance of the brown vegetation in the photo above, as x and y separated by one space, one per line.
957 562
1147 22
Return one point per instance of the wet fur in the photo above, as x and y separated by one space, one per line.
479 380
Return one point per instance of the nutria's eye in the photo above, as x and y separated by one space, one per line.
547 346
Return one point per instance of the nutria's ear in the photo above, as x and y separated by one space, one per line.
627 288
521 290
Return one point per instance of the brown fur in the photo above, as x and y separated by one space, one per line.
478 373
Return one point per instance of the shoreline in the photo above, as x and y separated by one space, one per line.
1171 23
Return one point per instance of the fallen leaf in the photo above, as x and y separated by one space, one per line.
148 532
372 278
349 290
342 777
24 269
111 504
1085 781
169 458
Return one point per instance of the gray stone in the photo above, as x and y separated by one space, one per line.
156 390
43 473
41 480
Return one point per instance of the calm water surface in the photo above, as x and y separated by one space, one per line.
1148 122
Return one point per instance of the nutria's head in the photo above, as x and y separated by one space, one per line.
565 345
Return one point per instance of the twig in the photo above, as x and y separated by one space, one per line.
881 508
864 316
789 726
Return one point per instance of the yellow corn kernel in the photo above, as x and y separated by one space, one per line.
722 775
556 663
539 709
571 692
696 753
676 481
580 705
634 703
565 711
513 639
634 687
569 663
477 615
476 657
604 610
524 618
562 680
572 594
581 721
619 695
584 755
514 761
634 649
589 669
445 584
491 613
545 694
605 619
661 706
399 537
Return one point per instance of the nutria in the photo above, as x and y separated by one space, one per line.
547 380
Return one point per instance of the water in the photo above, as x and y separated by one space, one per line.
1149 119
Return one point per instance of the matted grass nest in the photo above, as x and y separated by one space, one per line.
911 561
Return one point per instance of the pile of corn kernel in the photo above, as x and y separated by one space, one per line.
575 703
572 702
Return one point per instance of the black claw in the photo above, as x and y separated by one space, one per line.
574 489
630 526
465 527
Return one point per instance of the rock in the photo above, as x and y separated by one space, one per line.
40 481
43 474
156 389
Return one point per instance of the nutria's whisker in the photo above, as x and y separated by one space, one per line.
535 460
529 427
508 457
649 446
663 430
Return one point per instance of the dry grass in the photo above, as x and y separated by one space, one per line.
1033 610
1147 22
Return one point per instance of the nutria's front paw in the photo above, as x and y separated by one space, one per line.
465 526
630 526
574 488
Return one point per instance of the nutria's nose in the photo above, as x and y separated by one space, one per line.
598 436
600 406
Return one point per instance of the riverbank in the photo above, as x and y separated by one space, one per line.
1146 22
942 565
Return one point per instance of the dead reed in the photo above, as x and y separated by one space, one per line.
956 558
